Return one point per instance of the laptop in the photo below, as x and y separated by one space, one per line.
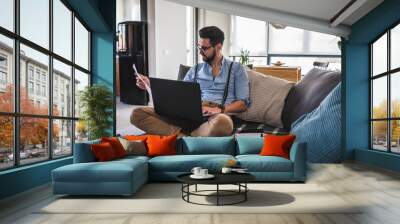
178 100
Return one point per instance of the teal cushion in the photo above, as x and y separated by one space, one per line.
83 153
185 163
206 145
111 171
249 145
257 163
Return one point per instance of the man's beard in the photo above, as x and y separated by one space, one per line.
210 58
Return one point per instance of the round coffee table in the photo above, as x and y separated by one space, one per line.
238 179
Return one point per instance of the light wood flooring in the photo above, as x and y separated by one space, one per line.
377 188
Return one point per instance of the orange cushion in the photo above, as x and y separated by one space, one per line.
116 145
277 145
103 151
136 137
161 145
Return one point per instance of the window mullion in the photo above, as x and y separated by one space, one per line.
16 84
389 101
50 81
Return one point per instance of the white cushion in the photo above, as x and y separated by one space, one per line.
267 97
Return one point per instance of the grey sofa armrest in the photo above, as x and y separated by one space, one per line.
298 155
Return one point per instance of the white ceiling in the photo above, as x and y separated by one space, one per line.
319 9
313 15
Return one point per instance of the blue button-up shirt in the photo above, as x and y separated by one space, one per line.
212 88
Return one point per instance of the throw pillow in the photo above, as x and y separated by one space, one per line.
136 137
183 70
103 152
161 145
321 129
307 94
116 145
277 145
267 97
136 147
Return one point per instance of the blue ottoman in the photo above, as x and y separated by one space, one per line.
118 177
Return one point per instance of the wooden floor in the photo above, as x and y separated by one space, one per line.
377 188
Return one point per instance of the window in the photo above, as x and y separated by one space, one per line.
268 43
248 34
385 94
6 73
6 142
81 81
30 87
46 73
3 78
81 45
62 137
30 71
62 29
35 21
63 73
7 14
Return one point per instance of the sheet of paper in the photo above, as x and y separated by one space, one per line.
148 89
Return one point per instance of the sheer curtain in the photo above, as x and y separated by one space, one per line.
248 34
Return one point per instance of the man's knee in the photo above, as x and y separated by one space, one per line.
138 114
223 124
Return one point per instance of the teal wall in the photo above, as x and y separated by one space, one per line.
356 85
99 15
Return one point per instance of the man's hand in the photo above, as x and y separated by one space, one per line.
211 110
142 81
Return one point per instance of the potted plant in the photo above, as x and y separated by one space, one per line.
96 102
244 58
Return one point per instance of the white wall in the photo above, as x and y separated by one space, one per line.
151 27
170 38
222 21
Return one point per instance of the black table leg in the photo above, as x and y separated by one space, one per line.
196 187
245 193
217 194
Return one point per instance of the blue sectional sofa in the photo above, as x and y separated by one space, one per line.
125 176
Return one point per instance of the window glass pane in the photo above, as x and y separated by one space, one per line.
321 43
379 135
248 34
81 81
6 74
62 89
287 40
81 131
35 21
395 47
33 139
81 45
306 63
379 98
62 138
7 14
379 55
62 29
34 72
395 136
395 94
6 142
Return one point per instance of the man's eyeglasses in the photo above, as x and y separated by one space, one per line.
203 48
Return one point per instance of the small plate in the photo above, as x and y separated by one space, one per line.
208 176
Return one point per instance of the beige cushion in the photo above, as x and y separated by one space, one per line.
137 147
267 97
